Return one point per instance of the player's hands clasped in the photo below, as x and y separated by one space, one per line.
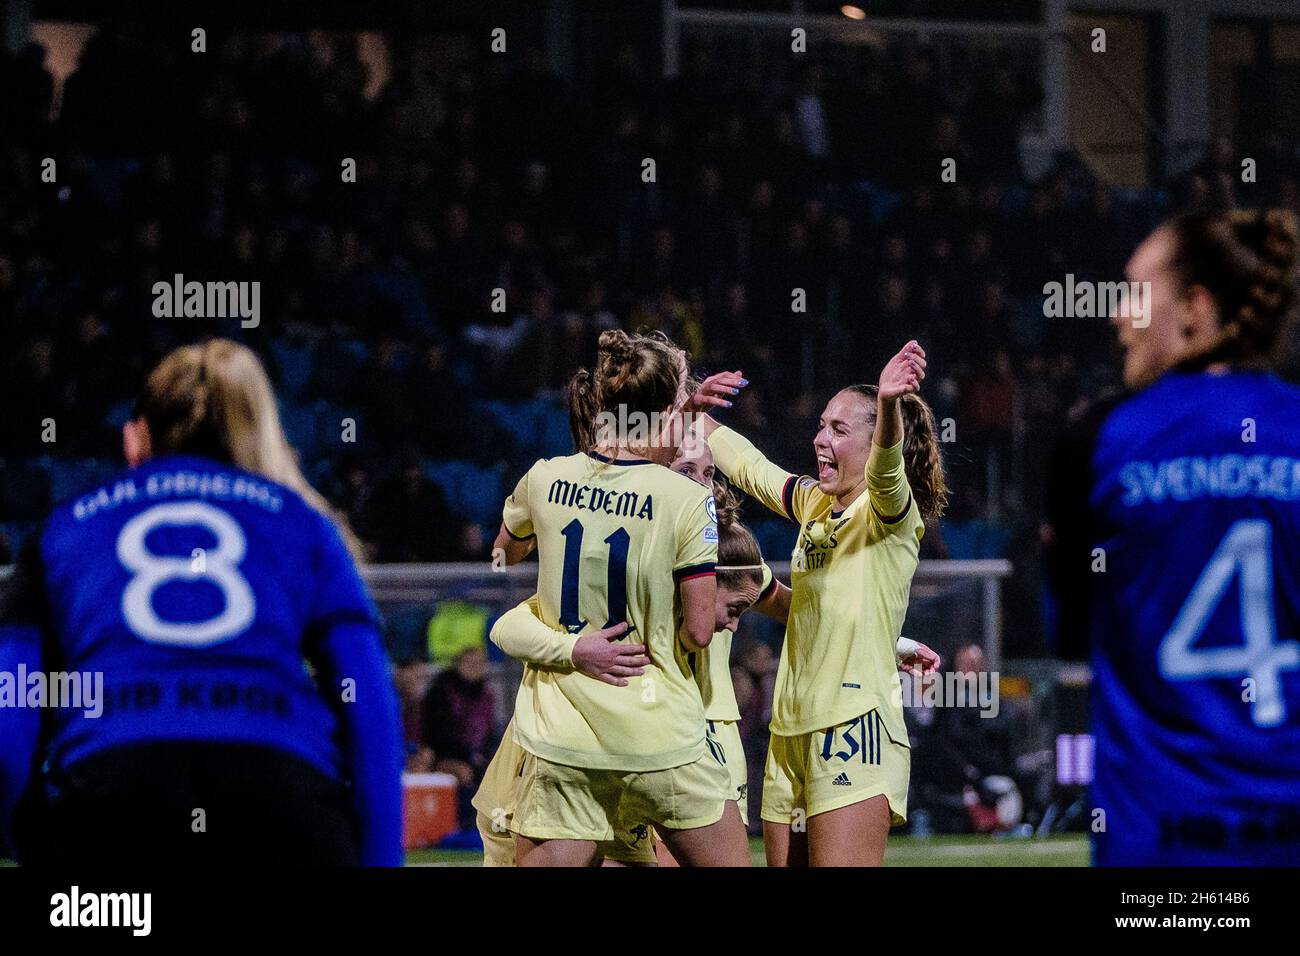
904 372
597 655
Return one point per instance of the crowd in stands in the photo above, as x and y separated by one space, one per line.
421 322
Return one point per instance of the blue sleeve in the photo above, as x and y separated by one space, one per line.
353 671
23 622
20 729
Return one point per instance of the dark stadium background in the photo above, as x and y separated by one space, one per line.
521 171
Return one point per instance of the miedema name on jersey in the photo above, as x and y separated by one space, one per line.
624 504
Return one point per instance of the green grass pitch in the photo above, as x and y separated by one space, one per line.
901 851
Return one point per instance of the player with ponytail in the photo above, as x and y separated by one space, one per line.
197 583
839 757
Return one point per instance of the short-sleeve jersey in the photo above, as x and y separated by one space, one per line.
614 538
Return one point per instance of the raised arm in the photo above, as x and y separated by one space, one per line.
742 463
747 469
886 475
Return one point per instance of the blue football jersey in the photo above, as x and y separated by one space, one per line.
199 592
1193 517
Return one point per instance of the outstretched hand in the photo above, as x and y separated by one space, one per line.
904 372
716 391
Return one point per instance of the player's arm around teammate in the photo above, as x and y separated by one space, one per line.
619 538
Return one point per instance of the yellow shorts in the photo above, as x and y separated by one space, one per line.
557 802
633 844
724 743
495 801
634 841
812 773
498 841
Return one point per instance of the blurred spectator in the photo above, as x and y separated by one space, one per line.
413 679
958 752
500 221
459 724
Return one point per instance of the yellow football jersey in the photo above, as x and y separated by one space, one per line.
713 668
613 540
851 575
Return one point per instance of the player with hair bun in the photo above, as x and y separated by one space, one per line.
839 757
1173 547
619 538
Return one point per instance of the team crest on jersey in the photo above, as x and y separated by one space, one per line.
711 509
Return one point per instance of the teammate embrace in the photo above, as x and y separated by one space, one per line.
621 539
590 764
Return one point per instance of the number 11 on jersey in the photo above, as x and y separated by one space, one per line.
615 583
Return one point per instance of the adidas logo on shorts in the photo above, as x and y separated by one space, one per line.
842 781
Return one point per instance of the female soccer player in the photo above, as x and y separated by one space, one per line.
742 580
620 538
196 584
839 757
1174 549
520 633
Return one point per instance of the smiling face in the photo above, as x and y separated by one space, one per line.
842 444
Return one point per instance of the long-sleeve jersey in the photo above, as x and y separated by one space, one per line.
851 575
197 592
